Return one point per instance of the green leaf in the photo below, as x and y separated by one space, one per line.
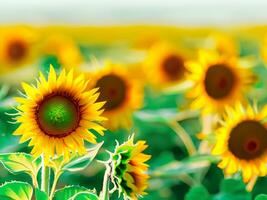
85 196
188 165
16 191
261 197
232 189
21 162
80 163
164 115
69 192
199 193
40 195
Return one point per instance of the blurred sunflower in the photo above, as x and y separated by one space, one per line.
164 65
222 43
16 48
242 141
129 168
65 49
57 115
218 81
122 94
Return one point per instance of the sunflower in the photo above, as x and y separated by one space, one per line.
58 114
65 49
122 94
17 48
164 65
222 43
217 81
129 168
242 141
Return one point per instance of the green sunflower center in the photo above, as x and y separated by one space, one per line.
219 81
248 140
112 90
173 67
16 51
58 116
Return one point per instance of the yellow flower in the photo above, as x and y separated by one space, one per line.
242 141
218 81
58 114
164 66
129 168
222 43
65 49
122 94
16 48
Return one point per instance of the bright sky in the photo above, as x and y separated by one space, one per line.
178 12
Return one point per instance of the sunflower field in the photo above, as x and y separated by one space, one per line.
133 112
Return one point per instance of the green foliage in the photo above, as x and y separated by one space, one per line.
76 163
85 196
188 165
199 193
261 197
40 195
79 163
16 191
74 193
232 189
21 163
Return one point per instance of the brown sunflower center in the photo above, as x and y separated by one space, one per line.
112 90
17 50
173 67
248 140
58 115
219 81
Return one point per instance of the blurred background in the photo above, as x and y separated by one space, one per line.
108 12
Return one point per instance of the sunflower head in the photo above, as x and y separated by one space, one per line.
222 43
65 49
242 141
218 81
164 65
16 47
58 114
121 92
129 168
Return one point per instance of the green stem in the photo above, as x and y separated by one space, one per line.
35 182
105 189
57 175
45 178
183 135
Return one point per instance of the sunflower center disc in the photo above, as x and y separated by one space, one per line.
173 67
58 116
219 81
17 51
112 90
248 140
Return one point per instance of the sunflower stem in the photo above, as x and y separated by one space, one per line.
183 135
57 175
251 183
45 177
35 182
104 195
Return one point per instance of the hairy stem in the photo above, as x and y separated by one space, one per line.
45 177
105 189
57 175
